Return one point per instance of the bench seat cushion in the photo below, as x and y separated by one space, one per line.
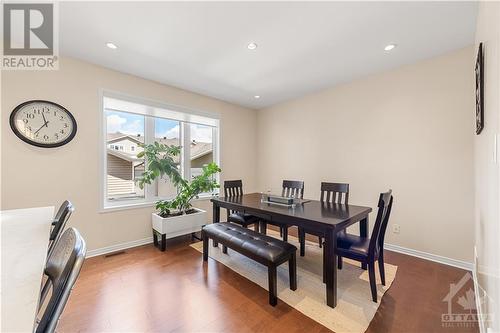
235 237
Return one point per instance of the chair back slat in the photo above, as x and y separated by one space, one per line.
293 187
233 188
62 270
336 192
380 227
60 219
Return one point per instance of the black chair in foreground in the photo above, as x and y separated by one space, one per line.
290 188
336 193
368 250
62 269
59 222
234 188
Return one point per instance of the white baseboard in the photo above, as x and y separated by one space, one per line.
477 295
429 256
415 253
118 247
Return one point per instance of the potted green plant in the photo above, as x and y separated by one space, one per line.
175 217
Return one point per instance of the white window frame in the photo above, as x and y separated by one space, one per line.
188 115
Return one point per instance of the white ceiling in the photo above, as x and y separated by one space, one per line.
302 47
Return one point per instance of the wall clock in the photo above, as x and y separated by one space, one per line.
43 124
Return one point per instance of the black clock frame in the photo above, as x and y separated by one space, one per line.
37 144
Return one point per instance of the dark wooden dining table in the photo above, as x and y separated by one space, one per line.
327 218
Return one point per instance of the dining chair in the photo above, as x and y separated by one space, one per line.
62 269
367 250
234 188
290 188
335 193
59 222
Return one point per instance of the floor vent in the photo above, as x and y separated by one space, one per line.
117 253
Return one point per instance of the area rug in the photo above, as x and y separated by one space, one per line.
355 308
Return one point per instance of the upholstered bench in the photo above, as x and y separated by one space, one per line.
266 250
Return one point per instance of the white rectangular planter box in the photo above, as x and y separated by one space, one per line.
174 226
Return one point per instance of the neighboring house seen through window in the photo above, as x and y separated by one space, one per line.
128 125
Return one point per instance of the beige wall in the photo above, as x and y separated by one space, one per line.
33 176
486 169
409 129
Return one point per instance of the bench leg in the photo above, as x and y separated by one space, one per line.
224 249
205 246
292 271
273 285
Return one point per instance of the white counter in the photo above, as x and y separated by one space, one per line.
24 244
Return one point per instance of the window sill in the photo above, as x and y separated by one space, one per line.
108 208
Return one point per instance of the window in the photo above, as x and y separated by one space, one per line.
128 124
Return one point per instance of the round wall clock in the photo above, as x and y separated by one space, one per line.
43 124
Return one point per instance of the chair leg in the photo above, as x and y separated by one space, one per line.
285 234
205 246
281 231
302 241
381 268
373 282
292 271
256 227
339 262
320 241
324 264
273 285
263 228
224 249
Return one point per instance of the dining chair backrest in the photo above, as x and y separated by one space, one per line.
233 188
335 193
383 214
59 222
62 269
293 188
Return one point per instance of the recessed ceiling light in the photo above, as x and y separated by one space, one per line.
257 96
390 47
252 46
111 45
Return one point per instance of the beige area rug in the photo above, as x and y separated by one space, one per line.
355 308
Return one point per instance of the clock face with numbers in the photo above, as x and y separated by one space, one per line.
43 124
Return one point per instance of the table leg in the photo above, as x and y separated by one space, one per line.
216 219
363 232
331 268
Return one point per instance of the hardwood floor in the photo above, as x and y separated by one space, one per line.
145 290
